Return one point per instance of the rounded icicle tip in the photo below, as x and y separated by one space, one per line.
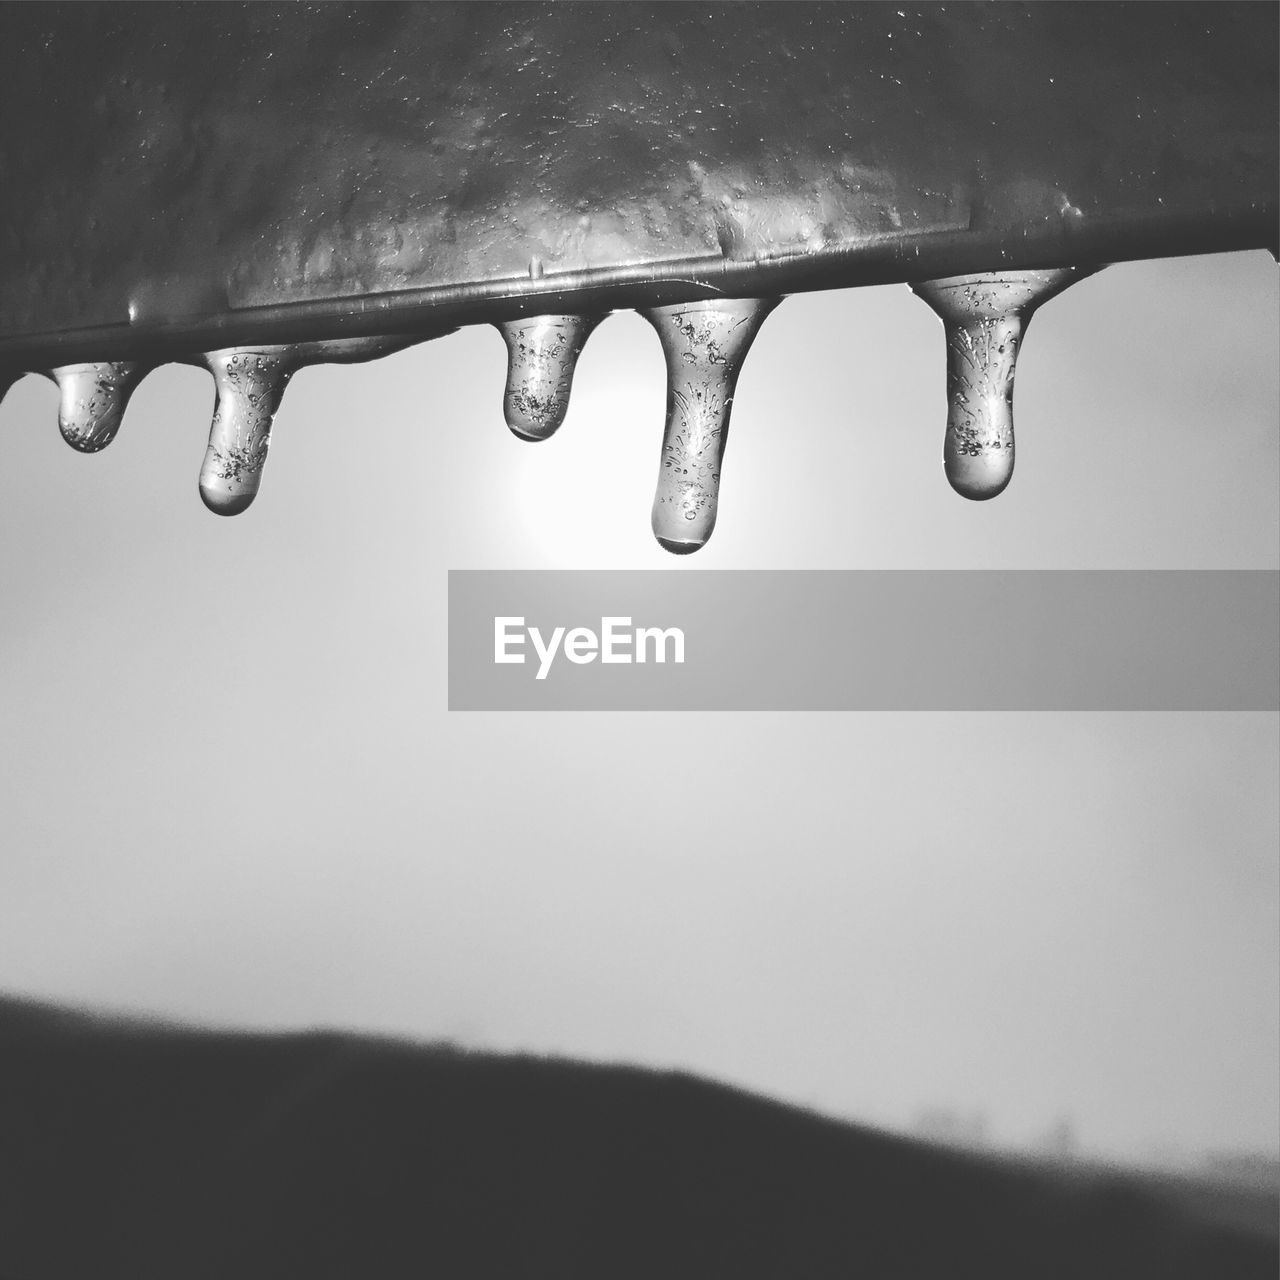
92 401
678 548
542 353
704 344
250 385
223 502
985 317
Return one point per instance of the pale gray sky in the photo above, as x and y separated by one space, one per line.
231 791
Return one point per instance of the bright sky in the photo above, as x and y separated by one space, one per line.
230 790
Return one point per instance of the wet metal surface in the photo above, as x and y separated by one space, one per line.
327 170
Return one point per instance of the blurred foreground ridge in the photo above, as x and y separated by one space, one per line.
189 1153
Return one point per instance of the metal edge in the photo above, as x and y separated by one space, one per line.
426 313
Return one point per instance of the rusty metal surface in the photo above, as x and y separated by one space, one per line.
187 176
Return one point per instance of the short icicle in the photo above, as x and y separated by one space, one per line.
542 352
985 317
704 344
93 399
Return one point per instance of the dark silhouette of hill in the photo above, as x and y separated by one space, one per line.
148 1152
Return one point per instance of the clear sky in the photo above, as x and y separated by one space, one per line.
230 790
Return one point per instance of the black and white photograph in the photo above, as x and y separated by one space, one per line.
438 839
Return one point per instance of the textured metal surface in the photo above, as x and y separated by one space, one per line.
183 177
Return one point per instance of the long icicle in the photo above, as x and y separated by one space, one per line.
704 344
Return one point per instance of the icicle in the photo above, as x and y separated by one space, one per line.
93 400
250 385
704 344
542 352
985 317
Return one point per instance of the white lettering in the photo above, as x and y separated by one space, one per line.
611 640
502 638
616 642
546 653
581 645
659 636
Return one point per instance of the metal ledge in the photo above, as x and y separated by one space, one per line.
334 171
432 312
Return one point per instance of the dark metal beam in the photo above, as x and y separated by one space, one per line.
181 177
